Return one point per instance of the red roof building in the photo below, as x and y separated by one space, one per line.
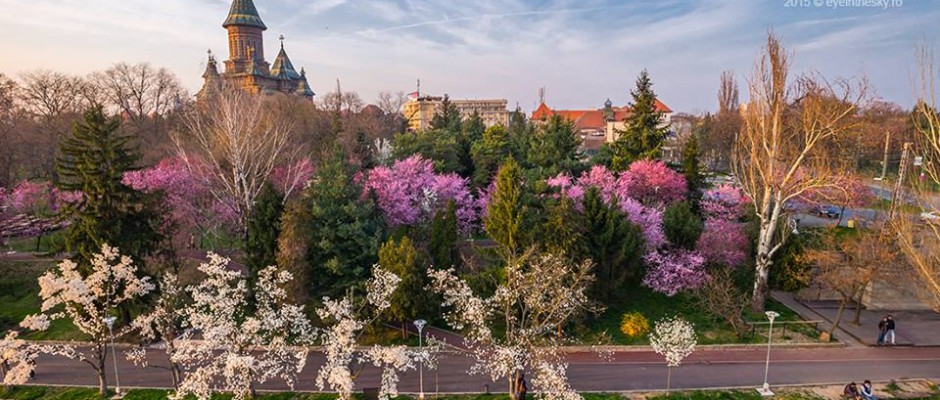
597 126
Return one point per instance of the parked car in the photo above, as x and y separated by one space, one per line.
829 211
932 216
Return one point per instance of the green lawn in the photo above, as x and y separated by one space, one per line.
656 305
19 294
48 243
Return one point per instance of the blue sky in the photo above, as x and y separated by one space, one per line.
581 51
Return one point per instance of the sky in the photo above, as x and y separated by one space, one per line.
581 51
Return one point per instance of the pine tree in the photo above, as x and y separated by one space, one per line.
681 226
93 161
408 300
345 229
614 244
447 117
471 132
554 148
443 243
643 135
563 230
691 169
488 153
507 213
264 227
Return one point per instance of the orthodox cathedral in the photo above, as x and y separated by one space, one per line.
246 67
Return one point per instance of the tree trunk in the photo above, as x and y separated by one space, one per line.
177 375
404 330
102 382
759 296
858 312
668 378
835 322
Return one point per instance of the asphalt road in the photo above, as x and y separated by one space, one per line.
634 370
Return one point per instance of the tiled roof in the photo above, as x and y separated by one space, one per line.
243 12
591 119
283 68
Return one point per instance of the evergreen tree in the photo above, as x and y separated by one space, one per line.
563 230
409 299
554 148
364 151
433 144
519 135
614 244
471 132
643 135
681 226
264 227
506 213
447 117
93 160
293 247
488 153
691 169
444 237
345 230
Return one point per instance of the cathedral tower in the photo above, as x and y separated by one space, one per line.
245 38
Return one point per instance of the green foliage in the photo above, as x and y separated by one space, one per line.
344 232
447 118
691 169
614 244
471 131
643 135
488 153
563 229
433 144
264 227
554 148
504 222
681 226
93 160
410 299
444 236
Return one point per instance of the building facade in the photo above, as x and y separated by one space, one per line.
597 126
246 68
421 110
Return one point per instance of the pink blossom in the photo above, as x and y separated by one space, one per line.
647 218
291 178
725 202
602 179
723 242
39 198
652 183
675 271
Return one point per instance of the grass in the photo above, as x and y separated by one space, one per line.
48 243
654 306
19 294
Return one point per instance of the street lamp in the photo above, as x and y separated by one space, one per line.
420 325
765 390
117 381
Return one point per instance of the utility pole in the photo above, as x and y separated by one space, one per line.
902 174
884 163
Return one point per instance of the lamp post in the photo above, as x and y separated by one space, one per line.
420 325
765 390
117 380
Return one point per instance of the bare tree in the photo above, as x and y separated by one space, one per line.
920 243
778 154
139 91
50 94
235 147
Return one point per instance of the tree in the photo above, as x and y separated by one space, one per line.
447 117
529 305
691 169
234 148
488 154
554 148
564 230
264 226
674 338
240 344
87 301
615 245
433 144
163 322
778 155
406 303
682 227
444 237
644 133
506 213
471 131
652 183
671 272
93 161
720 130
721 298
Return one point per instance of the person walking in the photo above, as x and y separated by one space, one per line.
890 325
521 388
882 330
867 392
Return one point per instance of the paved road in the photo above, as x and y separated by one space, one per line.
635 370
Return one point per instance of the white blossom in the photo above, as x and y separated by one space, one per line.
240 345
19 358
673 338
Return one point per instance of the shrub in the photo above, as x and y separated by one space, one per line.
634 324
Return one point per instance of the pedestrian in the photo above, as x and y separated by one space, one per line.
882 330
867 392
851 392
890 325
521 388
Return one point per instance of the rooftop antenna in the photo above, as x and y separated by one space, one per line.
542 95
419 88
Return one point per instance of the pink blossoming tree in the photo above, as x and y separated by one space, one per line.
673 271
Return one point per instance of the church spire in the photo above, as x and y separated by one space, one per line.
282 67
244 13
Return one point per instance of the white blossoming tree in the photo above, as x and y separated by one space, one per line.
240 345
531 303
346 318
674 338
17 358
87 301
164 322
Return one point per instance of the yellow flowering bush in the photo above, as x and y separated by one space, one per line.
634 324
